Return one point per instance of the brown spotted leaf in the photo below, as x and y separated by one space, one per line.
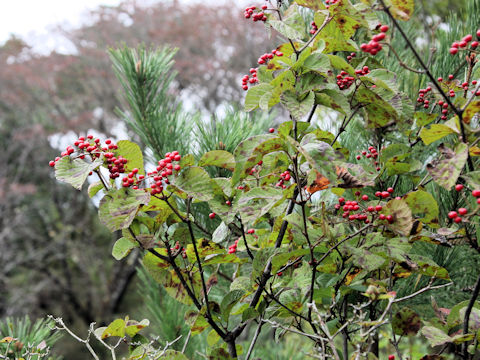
402 216
406 322
423 205
118 207
470 111
446 171
219 158
250 151
401 9
74 172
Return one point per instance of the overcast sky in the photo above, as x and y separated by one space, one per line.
34 20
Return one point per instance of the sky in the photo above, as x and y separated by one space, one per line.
34 20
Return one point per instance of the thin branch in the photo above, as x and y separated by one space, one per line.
325 23
254 340
466 319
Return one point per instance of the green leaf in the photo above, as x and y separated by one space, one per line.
122 248
435 336
132 153
470 111
250 151
288 31
219 158
406 322
196 182
133 327
223 259
229 301
74 172
205 247
254 94
423 118
116 328
473 179
94 188
259 201
118 207
333 99
213 338
341 64
402 216
169 279
423 204
298 108
446 171
434 133
317 62
220 233
401 9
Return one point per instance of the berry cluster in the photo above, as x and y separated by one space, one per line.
180 249
371 154
247 80
330 2
349 208
90 146
344 81
351 56
257 16
232 249
285 176
374 46
268 56
456 215
314 28
462 44
164 169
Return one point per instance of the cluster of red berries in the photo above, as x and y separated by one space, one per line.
370 154
285 176
247 80
314 28
374 46
344 81
92 147
351 56
164 169
177 247
451 92
258 16
330 2
268 56
232 249
456 215
363 71
385 194
349 206
131 179
456 45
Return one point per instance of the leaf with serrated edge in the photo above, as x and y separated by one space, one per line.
74 172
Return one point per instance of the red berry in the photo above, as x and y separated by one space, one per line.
390 190
250 231
378 207
440 79
279 273
478 33
467 38
384 28
385 194
228 203
364 197
452 214
177 167
478 201
476 193
453 51
378 194
390 218
391 357
457 220
474 44
341 200
462 211
370 209
271 130
382 217
211 215
459 187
